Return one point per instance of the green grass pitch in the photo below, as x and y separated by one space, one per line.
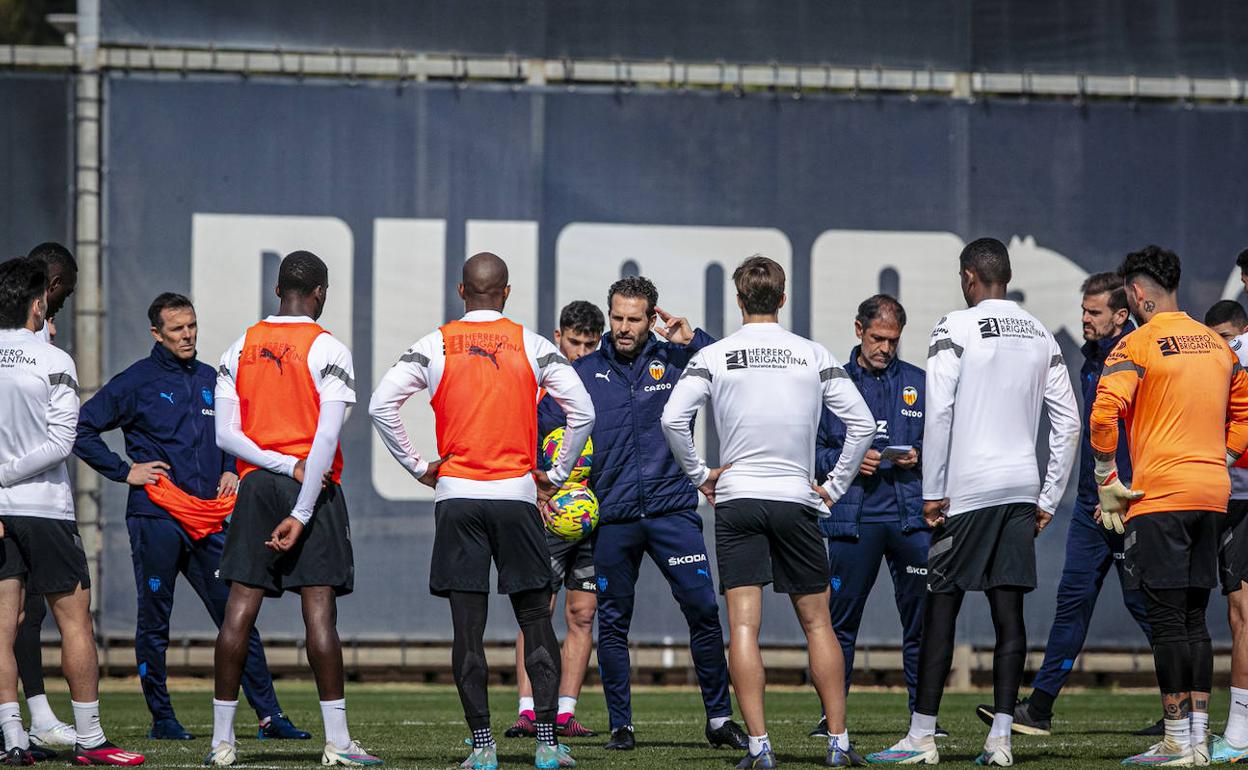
419 726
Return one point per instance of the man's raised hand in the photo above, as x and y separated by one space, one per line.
675 328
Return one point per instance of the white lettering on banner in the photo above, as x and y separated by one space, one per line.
227 253
409 273
409 278
516 243
846 265
1234 285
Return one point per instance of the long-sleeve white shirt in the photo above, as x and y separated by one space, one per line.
990 369
421 367
333 373
768 388
39 404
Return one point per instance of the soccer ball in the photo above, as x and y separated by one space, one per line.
574 513
550 450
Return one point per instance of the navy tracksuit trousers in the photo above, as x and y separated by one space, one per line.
674 542
852 568
1090 552
161 549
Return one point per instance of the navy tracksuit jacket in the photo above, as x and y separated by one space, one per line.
1090 548
647 506
164 408
880 516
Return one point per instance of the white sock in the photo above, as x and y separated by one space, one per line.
11 722
223 721
41 716
759 744
1001 724
921 726
717 722
567 705
1237 720
1179 731
334 715
526 704
87 724
840 741
1200 727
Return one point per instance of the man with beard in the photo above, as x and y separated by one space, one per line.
646 503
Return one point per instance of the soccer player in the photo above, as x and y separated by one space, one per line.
1177 384
647 505
42 549
990 370
483 373
164 406
571 563
1091 550
281 398
767 388
1229 320
47 732
880 516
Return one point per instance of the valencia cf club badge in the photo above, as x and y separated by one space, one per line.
909 395
656 370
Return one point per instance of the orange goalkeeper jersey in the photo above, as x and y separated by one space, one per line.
1184 398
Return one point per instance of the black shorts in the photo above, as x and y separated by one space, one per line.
1171 549
1233 546
992 547
321 557
572 563
763 541
46 553
469 534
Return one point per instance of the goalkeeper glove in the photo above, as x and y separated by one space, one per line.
1114 497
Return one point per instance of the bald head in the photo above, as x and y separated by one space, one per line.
484 283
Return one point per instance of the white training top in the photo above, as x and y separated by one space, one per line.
1239 476
767 388
989 370
333 373
39 404
420 368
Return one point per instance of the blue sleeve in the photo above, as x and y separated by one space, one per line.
679 355
828 443
105 411
700 340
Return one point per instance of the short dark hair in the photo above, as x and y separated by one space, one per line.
635 286
988 259
1101 283
1157 264
54 255
166 301
582 317
22 281
1227 310
880 306
301 272
760 284
1242 260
